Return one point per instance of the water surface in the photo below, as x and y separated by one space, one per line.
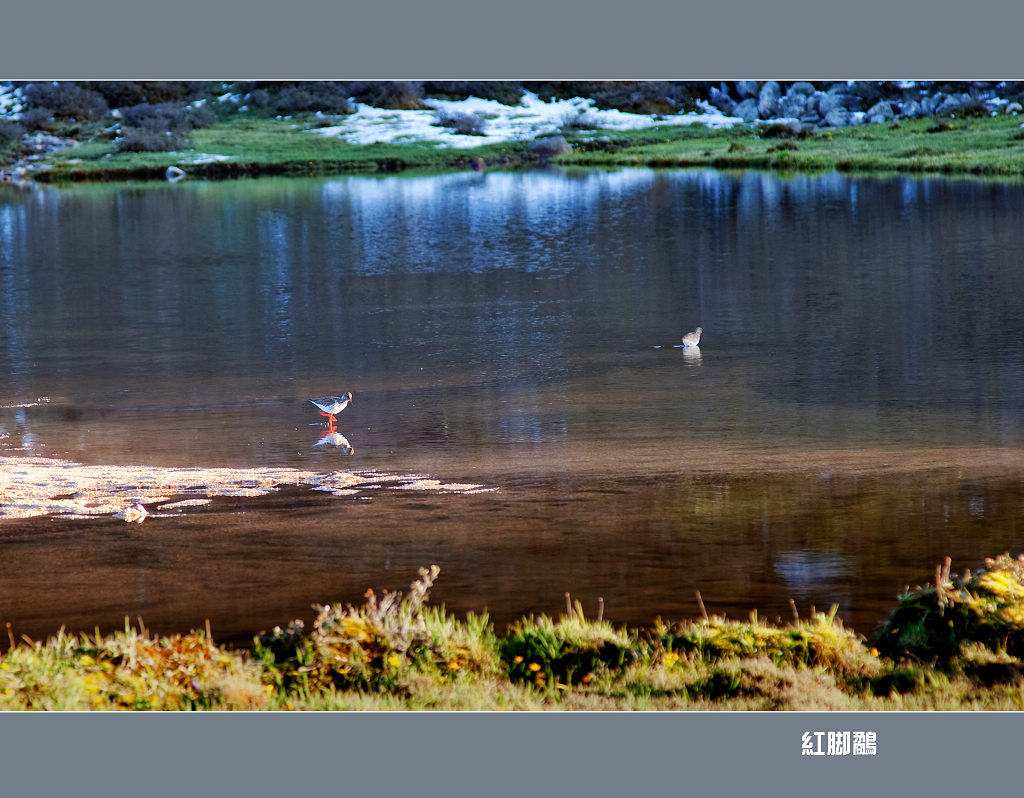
852 415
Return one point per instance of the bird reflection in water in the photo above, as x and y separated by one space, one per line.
331 438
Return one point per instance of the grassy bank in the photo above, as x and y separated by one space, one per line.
124 130
254 146
954 645
977 146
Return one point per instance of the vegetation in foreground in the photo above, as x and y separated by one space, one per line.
956 645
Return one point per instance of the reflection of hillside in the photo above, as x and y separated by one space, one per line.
521 306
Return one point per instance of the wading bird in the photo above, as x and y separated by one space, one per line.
692 338
329 405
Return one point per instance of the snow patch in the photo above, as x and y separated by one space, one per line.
501 123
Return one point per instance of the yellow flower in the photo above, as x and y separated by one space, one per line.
671 658
269 688
355 628
515 660
873 651
394 660
454 665
588 678
290 705
534 667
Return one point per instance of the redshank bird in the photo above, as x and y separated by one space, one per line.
692 338
329 405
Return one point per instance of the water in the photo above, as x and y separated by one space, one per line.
851 418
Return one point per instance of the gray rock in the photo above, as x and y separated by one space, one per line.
768 99
801 87
858 118
831 101
910 109
747 110
174 174
720 100
840 88
747 89
792 105
931 102
550 145
880 112
1013 108
950 104
837 117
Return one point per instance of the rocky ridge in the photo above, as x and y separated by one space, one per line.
848 103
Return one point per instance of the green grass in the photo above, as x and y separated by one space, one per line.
252 145
396 652
984 146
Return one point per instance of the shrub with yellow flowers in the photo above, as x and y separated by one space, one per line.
547 653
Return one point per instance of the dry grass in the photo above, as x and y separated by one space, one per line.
395 652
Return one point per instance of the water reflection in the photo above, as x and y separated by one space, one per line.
692 355
330 438
501 326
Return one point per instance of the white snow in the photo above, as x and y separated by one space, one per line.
501 123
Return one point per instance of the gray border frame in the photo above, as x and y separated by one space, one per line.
479 753
528 39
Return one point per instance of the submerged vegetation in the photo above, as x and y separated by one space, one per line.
957 644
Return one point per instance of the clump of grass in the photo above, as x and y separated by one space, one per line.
125 93
786 130
66 100
128 670
360 645
463 123
934 623
569 651
291 97
380 644
821 641
11 134
575 121
162 127
397 94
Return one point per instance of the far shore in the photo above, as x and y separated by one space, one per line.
170 132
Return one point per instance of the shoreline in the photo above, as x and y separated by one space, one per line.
398 652
969 130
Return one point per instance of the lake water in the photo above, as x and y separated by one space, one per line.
853 414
